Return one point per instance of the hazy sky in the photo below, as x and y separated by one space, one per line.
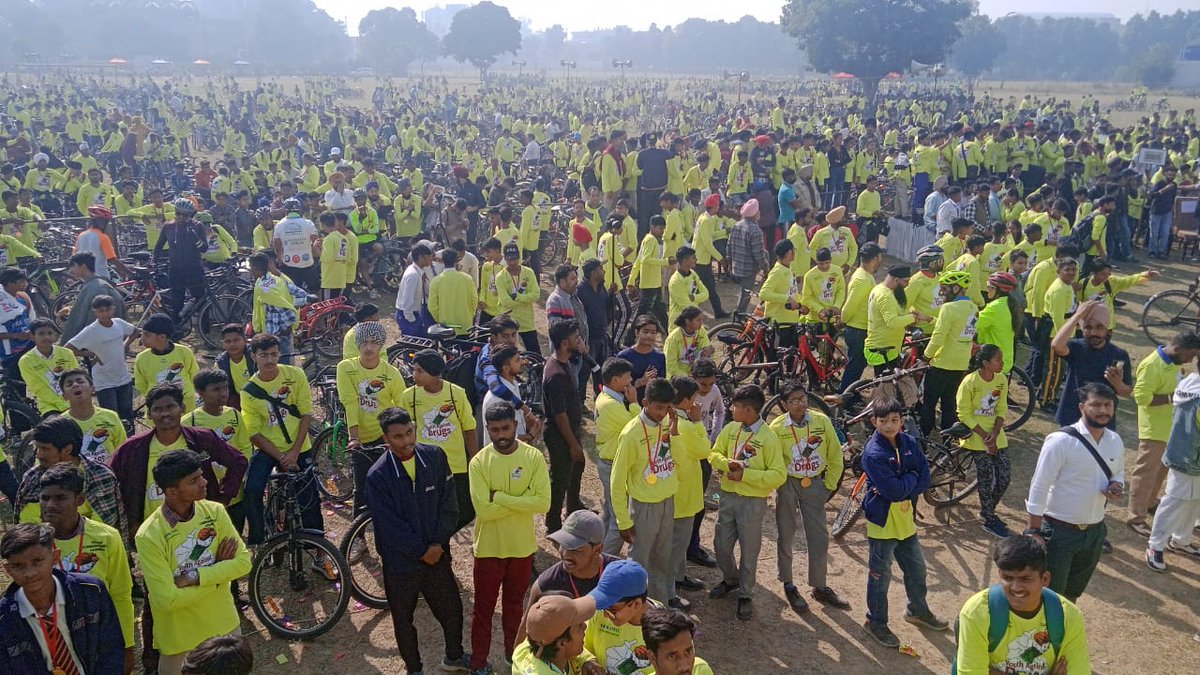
639 14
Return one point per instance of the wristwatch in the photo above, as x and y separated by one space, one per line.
1031 531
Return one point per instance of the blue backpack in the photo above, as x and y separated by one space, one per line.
998 620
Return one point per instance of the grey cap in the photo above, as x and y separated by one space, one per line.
580 529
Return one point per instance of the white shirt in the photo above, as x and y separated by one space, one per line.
491 398
60 617
89 242
107 343
946 214
414 291
470 264
296 235
1067 484
340 201
533 152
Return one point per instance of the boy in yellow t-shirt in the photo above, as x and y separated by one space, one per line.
1043 631
164 361
103 431
339 255
897 474
668 634
212 387
42 365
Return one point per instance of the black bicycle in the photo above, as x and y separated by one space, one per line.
290 585
366 567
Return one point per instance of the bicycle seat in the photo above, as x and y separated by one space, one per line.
958 431
140 256
440 333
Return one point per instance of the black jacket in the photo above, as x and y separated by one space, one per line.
411 515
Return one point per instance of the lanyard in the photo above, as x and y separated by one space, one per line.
738 448
658 442
79 550
572 579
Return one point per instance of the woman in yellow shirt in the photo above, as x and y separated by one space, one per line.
982 405
687 343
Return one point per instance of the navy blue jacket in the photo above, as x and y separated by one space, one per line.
91 619
889 481
408 515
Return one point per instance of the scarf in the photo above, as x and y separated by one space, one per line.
616 154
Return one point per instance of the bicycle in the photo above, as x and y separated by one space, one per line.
299 603
20 416
823 359
324 323
366 567
1169 312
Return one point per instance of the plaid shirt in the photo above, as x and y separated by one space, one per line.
746 251
279 320
99 485
966 209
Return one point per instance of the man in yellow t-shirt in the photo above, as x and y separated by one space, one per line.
509 484
669 636
1044 632
897 474
42 365
442 414
854 311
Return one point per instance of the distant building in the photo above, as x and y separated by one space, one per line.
437 19
1187 68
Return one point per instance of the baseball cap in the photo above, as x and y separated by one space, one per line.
550 617
581 528
512 251
621 579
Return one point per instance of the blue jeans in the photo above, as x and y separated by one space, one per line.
907 554
837 187
1124 246
1160 232
286 348
261 466
856 358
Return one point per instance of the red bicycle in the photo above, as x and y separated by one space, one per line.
324 324
823 359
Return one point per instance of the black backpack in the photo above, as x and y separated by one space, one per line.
461 371
1081 236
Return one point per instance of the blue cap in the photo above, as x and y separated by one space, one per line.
621 579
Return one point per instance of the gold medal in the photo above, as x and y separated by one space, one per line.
905 507
805 482
58 671
652 479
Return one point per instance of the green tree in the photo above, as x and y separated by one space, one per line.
977 49
481 33
871 38
1155 67
390 39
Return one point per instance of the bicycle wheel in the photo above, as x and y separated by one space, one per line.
1168 313
952 475
19 418
218 313
335 467
293 600
366 568
1021 396
60 309
328 330
531 386
738 358
850 509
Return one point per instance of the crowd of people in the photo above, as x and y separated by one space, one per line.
1033 203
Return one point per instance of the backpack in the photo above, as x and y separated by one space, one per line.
998 620
461 371
1081 236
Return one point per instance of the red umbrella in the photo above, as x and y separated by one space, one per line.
843 76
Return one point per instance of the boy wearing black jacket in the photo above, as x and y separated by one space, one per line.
411 496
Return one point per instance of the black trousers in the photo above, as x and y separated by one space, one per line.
941 386
706 277
362 460
566 478
648 207
529 338
440 588
462 494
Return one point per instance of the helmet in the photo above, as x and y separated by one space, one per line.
955 278
927 254
263 212
100 211
1003 282
292 204
359 192
184 206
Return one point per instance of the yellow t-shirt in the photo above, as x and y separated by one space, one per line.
154 495
365 393
611 417
643 468
525 663
758 449
979 404
507 491
811 448
949 347
1025 648
40 374
99 550
618 649
185 617
103 433
290 385
176 366
1155 375
230 427
442 419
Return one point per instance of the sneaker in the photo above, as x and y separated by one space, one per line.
486 670
1106 547
745 610
882 634
702 558
1183 549
461 665
1140 527
997 528
797 601
325 568
689 584
827 596
357 548
721 590
679 604
928 621
1154 560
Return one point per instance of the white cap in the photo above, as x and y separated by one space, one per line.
335 151
41 157
84 146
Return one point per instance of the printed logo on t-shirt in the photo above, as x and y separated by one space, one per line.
987 406
95 444
3 253
198 550
806 461
827 288
438 423
80 562
172 373
968 331
627 659
154 494
368 394
52 379
1027 654
517 473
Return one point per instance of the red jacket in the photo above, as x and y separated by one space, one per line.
131 465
